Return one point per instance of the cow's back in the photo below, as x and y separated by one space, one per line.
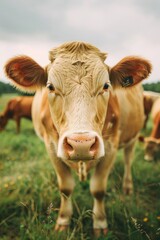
24 107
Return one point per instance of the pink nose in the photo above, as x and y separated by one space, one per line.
81 146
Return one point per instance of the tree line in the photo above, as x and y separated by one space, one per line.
7 88
155 87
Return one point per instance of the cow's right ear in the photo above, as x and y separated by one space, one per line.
25 73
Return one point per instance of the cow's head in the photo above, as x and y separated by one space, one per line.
79 85
151 147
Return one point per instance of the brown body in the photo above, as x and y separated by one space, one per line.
149 99
17 108
152 143
84 115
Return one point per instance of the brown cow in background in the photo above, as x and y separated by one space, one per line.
149 99
17 108
152 143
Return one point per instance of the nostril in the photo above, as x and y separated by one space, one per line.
94 146
81 146
68 147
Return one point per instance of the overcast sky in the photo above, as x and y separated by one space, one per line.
118 27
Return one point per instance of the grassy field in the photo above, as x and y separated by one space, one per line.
29 197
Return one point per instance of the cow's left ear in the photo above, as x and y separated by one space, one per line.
129 71
25 73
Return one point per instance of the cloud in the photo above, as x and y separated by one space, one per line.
112 23
128 27
31 18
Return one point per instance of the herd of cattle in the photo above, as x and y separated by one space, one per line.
84 111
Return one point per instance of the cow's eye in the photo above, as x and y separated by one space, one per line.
50 87
106 86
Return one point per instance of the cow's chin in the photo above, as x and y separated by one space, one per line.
80 146
81 158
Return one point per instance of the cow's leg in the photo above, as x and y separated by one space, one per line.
127 179
18 124
66 186
98 188
145 121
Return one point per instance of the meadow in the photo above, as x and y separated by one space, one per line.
29 196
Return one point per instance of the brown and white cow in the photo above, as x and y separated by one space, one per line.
84 112
152 143
17 108
149 99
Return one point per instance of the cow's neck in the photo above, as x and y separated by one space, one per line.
111 124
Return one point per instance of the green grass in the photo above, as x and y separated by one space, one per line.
29 196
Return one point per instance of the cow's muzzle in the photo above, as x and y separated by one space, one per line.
82 146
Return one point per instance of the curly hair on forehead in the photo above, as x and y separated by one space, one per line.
78 48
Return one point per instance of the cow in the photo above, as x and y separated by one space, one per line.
149 99
84 111
152 143
17 108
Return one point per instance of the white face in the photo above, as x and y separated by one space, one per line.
78 95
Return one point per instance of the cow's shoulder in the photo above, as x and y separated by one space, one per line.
42 117
44 111
113 111
112 117
10 108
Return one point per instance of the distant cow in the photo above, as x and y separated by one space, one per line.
152 143
149 99
17 108
84 111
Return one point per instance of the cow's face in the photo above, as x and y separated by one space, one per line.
152 148
78 94
79 85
